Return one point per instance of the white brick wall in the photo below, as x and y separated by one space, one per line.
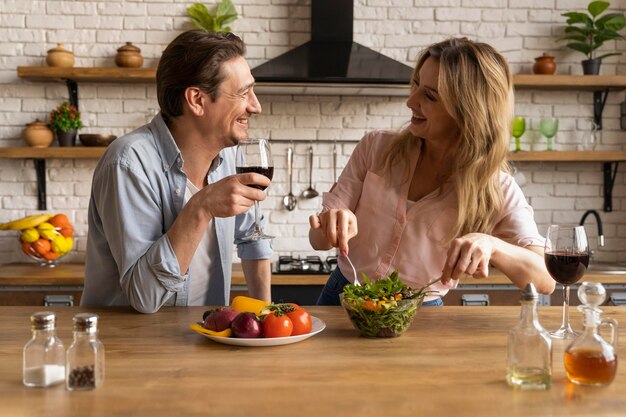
521 29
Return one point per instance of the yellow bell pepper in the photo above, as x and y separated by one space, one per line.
244 304
224 333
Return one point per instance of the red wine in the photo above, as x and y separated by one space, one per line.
566 268
268 172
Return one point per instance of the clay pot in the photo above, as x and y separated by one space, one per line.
544 64
60 57
129 56
37 134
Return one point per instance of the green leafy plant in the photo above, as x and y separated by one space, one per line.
65 117
588 31
225 13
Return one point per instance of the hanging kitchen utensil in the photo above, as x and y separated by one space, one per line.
290 201
310 192
334 163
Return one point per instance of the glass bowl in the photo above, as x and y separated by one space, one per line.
47 244
372 321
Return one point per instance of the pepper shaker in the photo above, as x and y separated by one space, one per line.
85 356
43 360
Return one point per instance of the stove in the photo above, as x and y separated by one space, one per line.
310 265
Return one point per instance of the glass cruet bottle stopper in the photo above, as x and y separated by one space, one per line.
529 359
85 356
591 360
44 354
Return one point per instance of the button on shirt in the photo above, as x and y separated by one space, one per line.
137 193
411 237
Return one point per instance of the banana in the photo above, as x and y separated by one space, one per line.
26 222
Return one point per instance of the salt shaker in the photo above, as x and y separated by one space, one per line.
85 356
44 354
529 348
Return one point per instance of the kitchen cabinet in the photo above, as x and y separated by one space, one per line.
30 284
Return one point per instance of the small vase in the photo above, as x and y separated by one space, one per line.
66 138
544 64
591 66
60 57
129 56
37 134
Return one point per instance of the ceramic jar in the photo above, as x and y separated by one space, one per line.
544 64
37 134
129 56
60 57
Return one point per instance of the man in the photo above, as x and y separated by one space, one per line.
166 203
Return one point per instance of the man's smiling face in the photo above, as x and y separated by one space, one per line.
229 114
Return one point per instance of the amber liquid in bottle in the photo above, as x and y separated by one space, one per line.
590 367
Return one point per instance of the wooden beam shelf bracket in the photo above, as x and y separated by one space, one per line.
610 170
72 89
40 169
599 100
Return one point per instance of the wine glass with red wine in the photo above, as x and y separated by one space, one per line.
567 259
255 155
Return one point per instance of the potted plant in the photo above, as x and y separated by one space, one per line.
588 32
225 13
65 122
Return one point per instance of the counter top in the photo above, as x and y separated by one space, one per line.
451 362
24 274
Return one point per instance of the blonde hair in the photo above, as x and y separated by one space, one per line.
475 88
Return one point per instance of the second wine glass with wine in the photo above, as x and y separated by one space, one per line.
567 259
255 155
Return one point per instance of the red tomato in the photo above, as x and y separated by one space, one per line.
277 326
301 320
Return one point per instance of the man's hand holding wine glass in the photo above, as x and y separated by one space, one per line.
234 194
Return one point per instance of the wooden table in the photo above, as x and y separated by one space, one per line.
450 363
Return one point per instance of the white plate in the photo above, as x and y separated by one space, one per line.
317 326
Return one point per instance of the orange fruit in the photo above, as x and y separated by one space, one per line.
67 231
50 255
28 248
60 220
41 246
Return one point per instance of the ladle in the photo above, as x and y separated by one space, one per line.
310 192
289 201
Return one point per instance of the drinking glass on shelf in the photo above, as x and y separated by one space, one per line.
567 259
255 155
548 127
519 127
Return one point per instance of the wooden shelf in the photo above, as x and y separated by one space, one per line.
84 152
147 75
67 152
568 156
91 74
570 82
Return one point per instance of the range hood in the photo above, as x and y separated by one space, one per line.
331 62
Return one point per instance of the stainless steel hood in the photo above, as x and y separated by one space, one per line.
331 62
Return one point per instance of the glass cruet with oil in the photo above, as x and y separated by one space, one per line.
529 358
591 360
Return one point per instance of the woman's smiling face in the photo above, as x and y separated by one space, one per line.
430 120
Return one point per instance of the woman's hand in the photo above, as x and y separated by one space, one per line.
468 255
337 226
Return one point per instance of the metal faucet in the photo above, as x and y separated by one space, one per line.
598 221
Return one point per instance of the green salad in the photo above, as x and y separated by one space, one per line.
384 308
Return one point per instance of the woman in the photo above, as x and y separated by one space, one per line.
435 199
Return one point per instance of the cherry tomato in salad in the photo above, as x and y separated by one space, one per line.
277 325
301 320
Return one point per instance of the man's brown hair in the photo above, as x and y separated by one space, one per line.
193 59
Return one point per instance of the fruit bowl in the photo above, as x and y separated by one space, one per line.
48 241
381 322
